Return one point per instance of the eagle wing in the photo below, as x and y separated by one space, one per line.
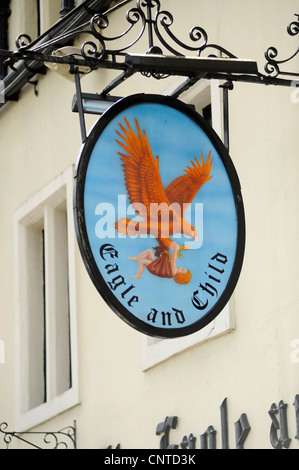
184 188
141 170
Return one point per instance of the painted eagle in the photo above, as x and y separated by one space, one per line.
162 210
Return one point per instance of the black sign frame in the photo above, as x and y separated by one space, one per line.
81 231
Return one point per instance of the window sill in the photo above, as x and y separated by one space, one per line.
46 411
155 351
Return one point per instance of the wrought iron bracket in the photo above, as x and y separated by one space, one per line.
165 54
63 439
103 51
273 65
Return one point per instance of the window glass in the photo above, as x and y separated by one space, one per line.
45 301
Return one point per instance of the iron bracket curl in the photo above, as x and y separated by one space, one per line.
272 66
103 51
147 14
63 439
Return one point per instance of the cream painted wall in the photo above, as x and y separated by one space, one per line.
252 367
24 20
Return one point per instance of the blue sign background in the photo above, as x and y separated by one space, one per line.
177 139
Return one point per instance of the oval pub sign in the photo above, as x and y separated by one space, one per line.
159 215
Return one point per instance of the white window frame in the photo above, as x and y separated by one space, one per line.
49 13
26 420
154 350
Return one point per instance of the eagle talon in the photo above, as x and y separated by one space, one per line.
185 247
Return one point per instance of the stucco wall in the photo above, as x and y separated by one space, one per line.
252 366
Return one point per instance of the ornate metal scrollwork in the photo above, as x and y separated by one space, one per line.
159 24
272 66
293 27
164 20
23 41
63 439
102 50
99 23
148 15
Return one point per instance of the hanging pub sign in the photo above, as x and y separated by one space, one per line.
159 215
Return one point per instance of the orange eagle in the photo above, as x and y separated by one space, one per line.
162 210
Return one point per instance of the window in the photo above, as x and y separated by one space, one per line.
207 113
46 381
207 97
4 15
47 14
32 17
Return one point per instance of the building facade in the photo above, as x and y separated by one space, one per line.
66 358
